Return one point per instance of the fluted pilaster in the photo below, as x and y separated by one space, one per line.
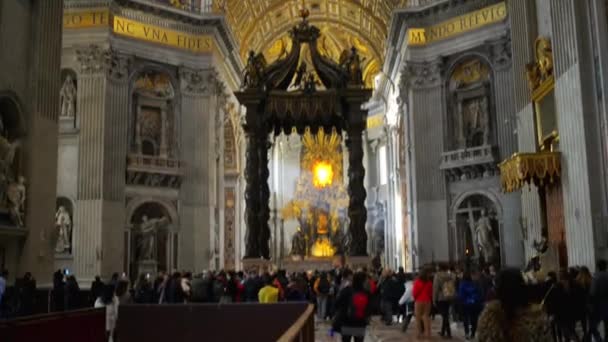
577 122
197 152
40 74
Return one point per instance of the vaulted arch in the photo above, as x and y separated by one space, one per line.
261 25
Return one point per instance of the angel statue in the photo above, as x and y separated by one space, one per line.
254 70
351 64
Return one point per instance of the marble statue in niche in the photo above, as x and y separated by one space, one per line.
16 196
148 229
68 97
486 244
476 131
470 93
63 222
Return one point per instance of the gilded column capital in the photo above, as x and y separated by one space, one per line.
92 59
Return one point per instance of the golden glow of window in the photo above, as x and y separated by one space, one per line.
323 174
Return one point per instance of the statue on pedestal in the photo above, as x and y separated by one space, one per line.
485 240
298 243
68 97
147 242
63 222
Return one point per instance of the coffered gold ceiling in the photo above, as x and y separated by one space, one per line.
262 25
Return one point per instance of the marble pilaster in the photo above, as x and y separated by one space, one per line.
87 231
577 121
41 74
523 34
196 219
429 189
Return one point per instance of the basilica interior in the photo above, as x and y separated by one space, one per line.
146 136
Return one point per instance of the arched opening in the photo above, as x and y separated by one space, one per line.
148 148
150 239
153 119
477 230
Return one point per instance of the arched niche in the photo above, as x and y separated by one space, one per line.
468 213
161 218
154 128
470 103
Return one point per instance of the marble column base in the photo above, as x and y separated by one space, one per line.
147 266
257 265
359 262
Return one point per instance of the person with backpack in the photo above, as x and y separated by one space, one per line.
322 287
444 293
469 294
353 309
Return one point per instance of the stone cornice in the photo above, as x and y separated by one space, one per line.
79 4
185 21
174 19
426 15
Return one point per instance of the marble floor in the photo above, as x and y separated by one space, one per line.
379 332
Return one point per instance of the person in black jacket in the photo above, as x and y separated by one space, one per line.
58 292
253 284
144 292
96 290
353 310
71 294
27 295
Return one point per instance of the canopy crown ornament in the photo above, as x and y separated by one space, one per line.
346 73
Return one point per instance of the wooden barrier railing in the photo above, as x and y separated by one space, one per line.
213 322
303 330
70 326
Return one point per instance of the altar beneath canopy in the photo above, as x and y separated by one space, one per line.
321 100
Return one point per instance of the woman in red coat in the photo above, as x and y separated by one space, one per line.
423 297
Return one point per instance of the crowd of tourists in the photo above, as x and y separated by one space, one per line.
489 305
